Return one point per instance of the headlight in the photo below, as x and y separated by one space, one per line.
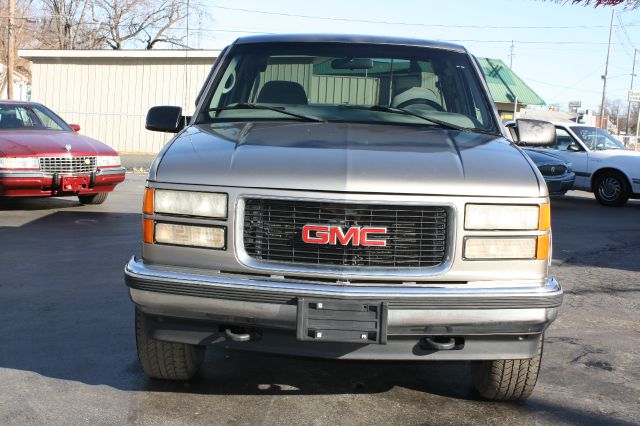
189 235
205 204
502 217
500 248
108 160
19 163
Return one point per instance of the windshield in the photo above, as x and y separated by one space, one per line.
349 83
596 138
29 117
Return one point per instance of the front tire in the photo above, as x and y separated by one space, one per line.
507 379
93 199
166 360
611 189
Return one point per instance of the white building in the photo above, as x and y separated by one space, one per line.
21 86
108 92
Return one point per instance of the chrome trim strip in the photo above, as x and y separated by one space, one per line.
250 289
111 171
21 174
291 268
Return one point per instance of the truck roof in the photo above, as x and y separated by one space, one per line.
348 38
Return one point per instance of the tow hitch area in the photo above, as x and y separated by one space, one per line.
342 321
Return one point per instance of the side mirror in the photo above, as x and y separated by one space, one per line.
535 132
573 148
75 127
164 118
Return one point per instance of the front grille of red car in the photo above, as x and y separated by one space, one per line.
79 164
416 235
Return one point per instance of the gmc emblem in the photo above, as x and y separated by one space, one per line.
334 235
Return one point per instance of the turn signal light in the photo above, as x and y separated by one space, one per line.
147 231
542 247
147 204
544 217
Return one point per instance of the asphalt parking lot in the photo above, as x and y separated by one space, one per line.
67 349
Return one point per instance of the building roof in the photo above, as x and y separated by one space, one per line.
505 86
548 115
153 53
347 38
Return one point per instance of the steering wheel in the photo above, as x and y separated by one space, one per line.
421 101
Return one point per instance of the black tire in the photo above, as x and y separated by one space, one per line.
98 198
507 379
611 189
166 360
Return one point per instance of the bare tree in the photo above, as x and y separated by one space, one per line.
25 30
145 22
631 4
98 24
66 25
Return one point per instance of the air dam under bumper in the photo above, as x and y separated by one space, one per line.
497 321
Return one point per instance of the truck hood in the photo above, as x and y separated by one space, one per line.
49 142
347 157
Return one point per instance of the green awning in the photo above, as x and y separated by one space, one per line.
505 86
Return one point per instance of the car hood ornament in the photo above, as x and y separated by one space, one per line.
67 147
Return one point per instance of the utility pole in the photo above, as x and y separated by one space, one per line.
606 71
10 49
633 71
511 55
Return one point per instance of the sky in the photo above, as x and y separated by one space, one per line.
559 50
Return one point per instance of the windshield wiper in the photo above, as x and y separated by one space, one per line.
403 111
282 110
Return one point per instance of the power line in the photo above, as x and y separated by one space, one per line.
559 85
241 31
626 34
560 42
412 24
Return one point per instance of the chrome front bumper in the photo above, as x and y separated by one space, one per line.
498 309
41 174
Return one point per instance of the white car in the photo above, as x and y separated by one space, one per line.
602 164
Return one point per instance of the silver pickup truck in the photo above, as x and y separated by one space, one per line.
346 197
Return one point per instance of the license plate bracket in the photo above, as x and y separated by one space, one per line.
342 321
74 183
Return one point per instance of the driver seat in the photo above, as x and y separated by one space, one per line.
415 93
283 92
10 121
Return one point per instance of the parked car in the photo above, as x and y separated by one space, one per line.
346 197
43 156
602 164
557 174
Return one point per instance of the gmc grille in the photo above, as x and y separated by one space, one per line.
68 164
416 235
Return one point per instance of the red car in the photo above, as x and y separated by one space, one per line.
43 156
